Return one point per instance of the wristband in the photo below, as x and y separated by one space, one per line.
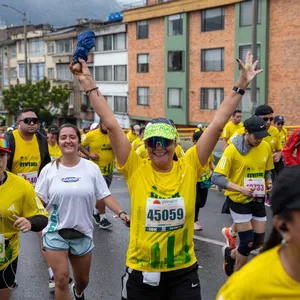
89 91
238 90
121 213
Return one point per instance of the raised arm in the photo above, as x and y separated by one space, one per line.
210 136
118 139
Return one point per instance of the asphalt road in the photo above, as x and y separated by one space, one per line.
108 262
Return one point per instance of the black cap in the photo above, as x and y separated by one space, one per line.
278 119
53 129
286 191
257 126
263 110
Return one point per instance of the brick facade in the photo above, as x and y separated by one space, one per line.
205 40
284 49
154 45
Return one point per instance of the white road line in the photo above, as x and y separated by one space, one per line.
207 240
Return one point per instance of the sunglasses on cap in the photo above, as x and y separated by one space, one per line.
280 123
28 121
154 141
266 119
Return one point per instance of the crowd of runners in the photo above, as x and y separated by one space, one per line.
57 184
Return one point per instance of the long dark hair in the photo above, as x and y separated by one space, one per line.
275 238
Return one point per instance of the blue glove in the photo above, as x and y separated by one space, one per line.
86 41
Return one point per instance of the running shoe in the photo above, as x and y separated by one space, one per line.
230 239
96 219
268 202
81 297
229 262
197 226
51 284
105 224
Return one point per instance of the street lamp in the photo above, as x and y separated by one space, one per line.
25 37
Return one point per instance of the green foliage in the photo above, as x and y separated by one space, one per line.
39 96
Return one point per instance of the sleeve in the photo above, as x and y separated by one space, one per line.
42 184
224 165
85 140
224 134
32 205
132 164
101 189
270 161
192 159
289 148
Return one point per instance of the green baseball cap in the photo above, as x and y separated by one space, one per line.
160 127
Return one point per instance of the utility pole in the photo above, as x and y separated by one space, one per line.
254 53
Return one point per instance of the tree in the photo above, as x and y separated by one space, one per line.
48 102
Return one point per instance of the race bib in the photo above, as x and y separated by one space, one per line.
164 214
258 184
29 176
2 248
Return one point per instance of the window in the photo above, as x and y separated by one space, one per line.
120 104
175 24
246 105
104 43
211 98
37 72
50 73
175 61
13 51
13 73
50 48
246 13
212 60
103 73
120 41
175 98
36 47
143 63
143 96
21 46
243 50
120 73
21 70
142 30
110 101
64 46
212 19
63 72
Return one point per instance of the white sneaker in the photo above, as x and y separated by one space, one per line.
197 226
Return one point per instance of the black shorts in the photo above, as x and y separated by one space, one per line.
174 285
108 179
8 275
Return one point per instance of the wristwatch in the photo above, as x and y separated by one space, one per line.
238 90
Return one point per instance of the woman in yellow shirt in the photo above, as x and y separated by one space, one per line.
161 262
275 273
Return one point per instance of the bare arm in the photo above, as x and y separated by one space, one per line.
118 139
210 136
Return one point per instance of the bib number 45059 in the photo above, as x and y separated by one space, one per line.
165 214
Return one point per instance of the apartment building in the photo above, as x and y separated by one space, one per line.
182 57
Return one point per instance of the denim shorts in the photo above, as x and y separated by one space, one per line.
77 247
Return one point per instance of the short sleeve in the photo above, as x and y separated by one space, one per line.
225 132
224 165
42 184
191 157
32 204
101 189
85 140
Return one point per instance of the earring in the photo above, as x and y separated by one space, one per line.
283 242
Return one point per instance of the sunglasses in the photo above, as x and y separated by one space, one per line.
28 121
280 123
154 141
266 119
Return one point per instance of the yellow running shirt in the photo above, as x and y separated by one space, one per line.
131 136
229 129
239 169
17 197
263 278
54 151
283 136
136 143
27 158
179 151
162 213
99 144
142 151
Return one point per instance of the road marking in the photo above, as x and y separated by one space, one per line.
207 240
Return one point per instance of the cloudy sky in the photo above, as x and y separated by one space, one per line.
59 12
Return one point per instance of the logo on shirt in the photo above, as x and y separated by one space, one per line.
11 208
70 179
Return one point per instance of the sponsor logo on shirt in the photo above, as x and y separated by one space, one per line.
70 179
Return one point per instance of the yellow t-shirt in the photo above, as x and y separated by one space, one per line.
262 278
229 129
17 197
131 136
236 167
136 143
27 158
179 151
54 151
283 134
142 151
162 213
99 144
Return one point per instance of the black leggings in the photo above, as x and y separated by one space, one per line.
201 197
